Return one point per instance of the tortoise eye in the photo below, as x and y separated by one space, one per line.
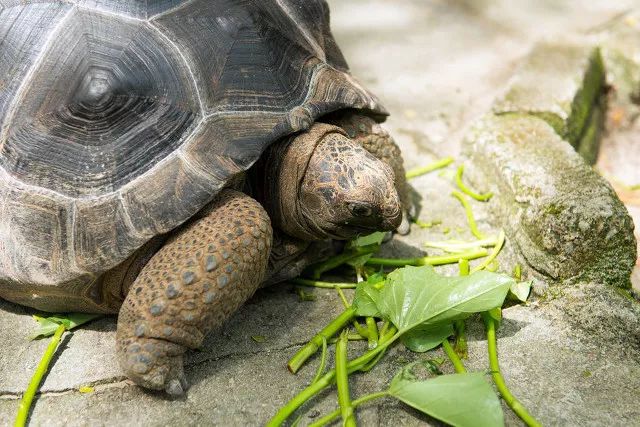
360 210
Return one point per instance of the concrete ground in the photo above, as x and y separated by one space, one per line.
436 65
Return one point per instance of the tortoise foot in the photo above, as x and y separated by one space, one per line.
155 364
191 285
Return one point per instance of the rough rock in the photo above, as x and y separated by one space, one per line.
558 83
565 218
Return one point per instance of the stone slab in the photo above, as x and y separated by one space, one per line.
558 82
566 219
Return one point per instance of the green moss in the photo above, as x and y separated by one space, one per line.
553 120
585 98
553 209
625 293
589 143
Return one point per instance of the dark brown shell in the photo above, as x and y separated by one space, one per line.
120 119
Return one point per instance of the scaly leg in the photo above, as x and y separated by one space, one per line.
191 285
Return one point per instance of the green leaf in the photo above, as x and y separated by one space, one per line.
370 239
423 338
519 291
416 296
48 325
458 399
368 245
367 293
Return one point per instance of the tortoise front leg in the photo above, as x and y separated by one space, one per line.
190 286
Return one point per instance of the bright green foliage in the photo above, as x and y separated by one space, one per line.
369 244
367 294
48 325
457 399
519 291
424 338
416 296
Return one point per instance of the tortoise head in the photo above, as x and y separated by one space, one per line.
331 187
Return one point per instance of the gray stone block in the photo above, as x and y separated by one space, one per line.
558 83
620 45
566 220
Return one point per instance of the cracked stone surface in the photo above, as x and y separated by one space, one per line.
572 355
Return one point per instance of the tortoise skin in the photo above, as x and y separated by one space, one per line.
119 122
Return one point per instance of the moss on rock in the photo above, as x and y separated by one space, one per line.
566 220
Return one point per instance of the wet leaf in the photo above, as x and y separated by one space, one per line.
519 291
367 293
459 399
48 325
368 245
424 338
415 296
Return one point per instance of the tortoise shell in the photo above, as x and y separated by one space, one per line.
120 119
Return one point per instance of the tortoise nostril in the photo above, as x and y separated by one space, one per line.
360 210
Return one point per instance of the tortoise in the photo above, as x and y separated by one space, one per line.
162 159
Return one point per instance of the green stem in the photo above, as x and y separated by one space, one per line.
385 327
319 284
296 362
467 208
439 164
383 337
466 190
41 370
336 261
281 416
343 298
429 260
362 331
423 224
457 246
328 379
494 253
463 266
323 361
510 400
453 356
355 403
460 345
372 330
517 272
342 383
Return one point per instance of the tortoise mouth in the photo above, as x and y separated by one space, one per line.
343 231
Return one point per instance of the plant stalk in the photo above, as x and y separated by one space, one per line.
466 190
320 284
329 378
453 356
372 330
429 260
355 403
323 361
41 370
439 164
342 383
296 362
467 208
510 400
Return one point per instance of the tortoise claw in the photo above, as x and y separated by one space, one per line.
405 225
176 387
